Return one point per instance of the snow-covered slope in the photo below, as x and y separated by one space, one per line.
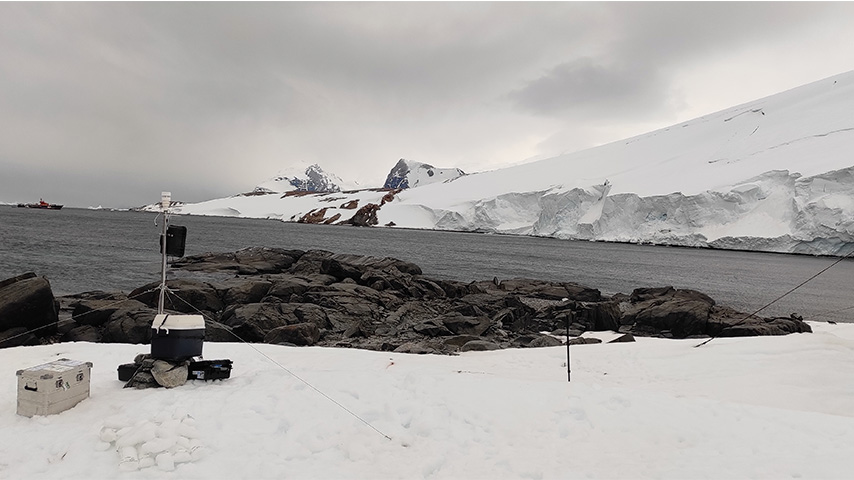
409 174
776 174
764 407
288 207
309 179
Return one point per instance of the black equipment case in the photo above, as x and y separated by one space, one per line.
198 370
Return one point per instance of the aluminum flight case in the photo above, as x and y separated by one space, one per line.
53 387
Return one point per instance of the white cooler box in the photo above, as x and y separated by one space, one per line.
53 387
177 337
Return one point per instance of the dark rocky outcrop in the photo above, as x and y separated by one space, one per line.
83 333
299 334
253 321
550 290
27 301
186 296
129 326
239 291
479 346
17 337
725 322
97 311
683 313
317 297
673 313
248 261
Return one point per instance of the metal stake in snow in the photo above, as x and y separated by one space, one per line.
568 377
165 202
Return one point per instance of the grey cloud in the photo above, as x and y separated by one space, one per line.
626 77
226 93
586 88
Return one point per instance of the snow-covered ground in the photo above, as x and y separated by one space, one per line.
775 174
766 407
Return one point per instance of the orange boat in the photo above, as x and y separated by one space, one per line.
42 204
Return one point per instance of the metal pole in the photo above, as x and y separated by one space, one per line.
165 199
568 377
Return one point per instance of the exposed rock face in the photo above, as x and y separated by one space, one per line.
97 308
314 216
17 337
409 174
726 322
321 298
187 296
682 312
27 302
252 322
687 313
248 261
365 216
129 326
312 179
299 334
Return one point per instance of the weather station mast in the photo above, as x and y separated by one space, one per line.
165 203
174 337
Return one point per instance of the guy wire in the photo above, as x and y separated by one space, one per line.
207 318
772 302
75 317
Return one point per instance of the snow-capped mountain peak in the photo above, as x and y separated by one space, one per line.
308 179
409 174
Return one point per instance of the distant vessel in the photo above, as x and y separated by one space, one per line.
42 204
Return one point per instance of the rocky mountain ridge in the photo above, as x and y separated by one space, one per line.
312 179
408 174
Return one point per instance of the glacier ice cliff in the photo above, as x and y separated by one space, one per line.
777 211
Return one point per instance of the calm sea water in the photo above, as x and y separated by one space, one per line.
82 250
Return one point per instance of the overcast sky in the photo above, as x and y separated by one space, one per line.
111 103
